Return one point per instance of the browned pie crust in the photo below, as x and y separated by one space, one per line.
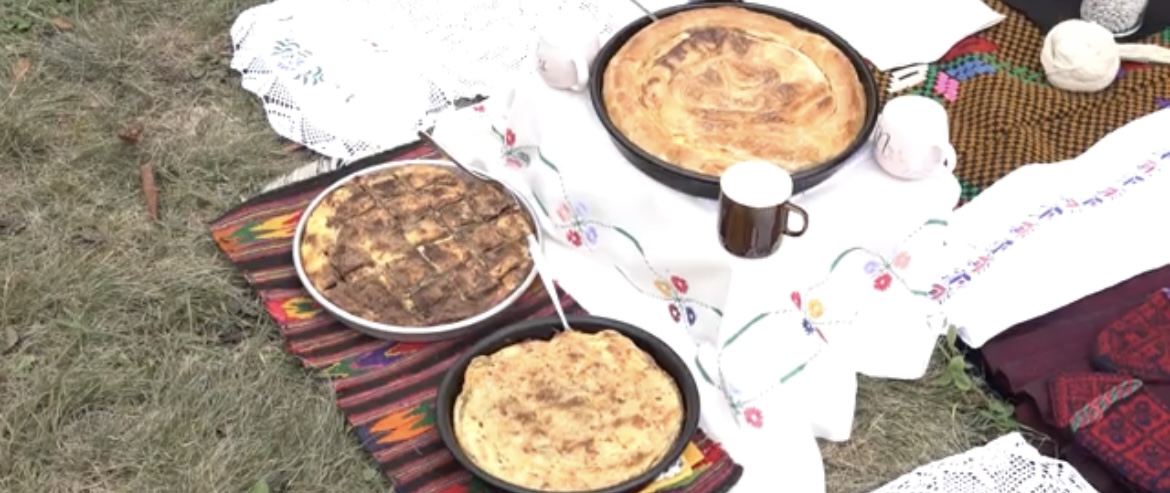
416 245
581 412
710 87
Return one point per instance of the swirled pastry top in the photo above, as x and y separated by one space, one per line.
710 87
580 412
416 245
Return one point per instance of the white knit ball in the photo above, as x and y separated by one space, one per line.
1080 56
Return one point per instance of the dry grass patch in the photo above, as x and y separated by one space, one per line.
131 356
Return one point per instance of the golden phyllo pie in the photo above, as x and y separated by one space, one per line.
711 87
579 412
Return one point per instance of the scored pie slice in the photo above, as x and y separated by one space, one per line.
416 245
710 87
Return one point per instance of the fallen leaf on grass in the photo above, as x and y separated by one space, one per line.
20 69
131 133
11 339
149 190
291 147
61 24
260 487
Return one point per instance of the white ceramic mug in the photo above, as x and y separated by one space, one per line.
912 138
564 51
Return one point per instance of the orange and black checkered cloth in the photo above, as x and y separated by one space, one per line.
1005 115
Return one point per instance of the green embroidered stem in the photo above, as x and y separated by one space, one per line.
1096 408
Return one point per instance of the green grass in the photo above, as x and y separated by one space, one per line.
141 362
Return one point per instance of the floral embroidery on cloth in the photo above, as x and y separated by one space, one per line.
572 215
1053 211
677 305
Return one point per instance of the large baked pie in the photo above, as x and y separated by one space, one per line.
579 412
416 245
710 87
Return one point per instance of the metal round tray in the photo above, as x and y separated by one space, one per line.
400 333
690 182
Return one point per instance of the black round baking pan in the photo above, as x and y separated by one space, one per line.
690 182
546 328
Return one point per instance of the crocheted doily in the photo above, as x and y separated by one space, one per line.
1006 465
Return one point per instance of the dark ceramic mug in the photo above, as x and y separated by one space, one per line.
754 212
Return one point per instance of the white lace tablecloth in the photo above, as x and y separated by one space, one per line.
1007 464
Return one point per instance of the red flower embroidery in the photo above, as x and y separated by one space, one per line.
574 237
675 313
509 138
902 260
754 417
970 46
795 299
679 283
478 108
883 281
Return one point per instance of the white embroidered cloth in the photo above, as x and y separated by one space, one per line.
776 348
630 248
348 78
1006 465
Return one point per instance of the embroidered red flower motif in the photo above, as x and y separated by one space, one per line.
509 138
937 291
679 283
883 282
754 417
677 312
902 260
574 237
795 296
479 108
970 46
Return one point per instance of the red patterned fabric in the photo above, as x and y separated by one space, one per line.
1070 393
1021 362
1139 342
1133 439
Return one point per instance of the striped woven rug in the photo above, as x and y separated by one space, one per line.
386 389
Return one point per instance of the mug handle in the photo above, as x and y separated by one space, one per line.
790 209
582 70
950 158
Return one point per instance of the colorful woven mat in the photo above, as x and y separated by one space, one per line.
1005 115
386 389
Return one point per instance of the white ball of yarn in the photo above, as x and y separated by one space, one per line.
1080 56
